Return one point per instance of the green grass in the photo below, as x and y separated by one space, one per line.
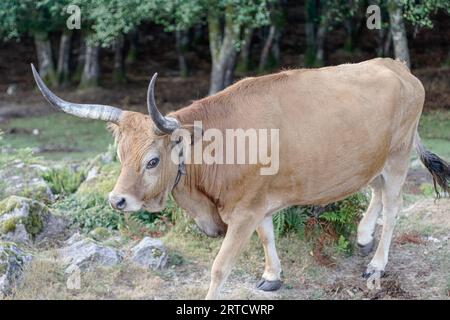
59 130
434 129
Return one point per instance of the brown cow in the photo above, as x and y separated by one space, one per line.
340 129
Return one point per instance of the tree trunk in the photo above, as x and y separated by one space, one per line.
398 32
267 47
244 56
182 41
387 44
276 47
320 44
81 57
230 66
134 43
223 51
119 74
91 69
63 58
45 58
310 15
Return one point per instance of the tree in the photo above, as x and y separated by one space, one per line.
37 18
226 19
398 31
271 44
416 12
225 38
321 17
108 23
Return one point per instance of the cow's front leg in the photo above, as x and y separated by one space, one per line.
271 277
238 233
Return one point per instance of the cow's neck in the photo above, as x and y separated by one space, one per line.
200 178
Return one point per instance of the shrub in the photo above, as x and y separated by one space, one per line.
334 224
344 215
89 211
64 180
292 219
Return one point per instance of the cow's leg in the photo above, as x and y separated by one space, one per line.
238 233
367 224
394 175
271 277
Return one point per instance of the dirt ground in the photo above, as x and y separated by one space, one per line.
419 268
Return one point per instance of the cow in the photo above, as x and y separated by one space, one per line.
341 128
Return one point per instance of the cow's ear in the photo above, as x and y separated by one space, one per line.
187 134
114 129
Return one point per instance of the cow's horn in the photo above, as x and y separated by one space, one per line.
163 124
91 111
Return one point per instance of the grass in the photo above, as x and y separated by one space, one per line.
434 129
58 130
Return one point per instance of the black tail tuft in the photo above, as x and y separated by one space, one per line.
438 167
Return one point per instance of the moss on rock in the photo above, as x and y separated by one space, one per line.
9 204
8 225
100 233
20 210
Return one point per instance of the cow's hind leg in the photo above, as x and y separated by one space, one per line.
271 277
394 174
367 224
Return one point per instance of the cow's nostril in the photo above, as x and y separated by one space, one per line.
121 204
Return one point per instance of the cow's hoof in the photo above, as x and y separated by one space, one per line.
373 273
266 285
364 250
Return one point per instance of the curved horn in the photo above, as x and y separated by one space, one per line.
91 111
163 124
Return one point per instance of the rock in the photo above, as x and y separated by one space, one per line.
25 180
102 172
12 89
23 220
100 180
87 253
150 253
92 173
12 262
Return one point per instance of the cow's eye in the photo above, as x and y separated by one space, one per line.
152 163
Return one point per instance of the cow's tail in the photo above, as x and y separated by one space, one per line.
438 167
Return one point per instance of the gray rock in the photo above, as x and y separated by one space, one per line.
92 173
12 262
23 220
87 253
19 235
26 181
150 253
74 238
12 89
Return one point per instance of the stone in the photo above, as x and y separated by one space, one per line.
25 180
87 254
150 253
12 262
24 220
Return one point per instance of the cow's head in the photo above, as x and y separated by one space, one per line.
145 144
